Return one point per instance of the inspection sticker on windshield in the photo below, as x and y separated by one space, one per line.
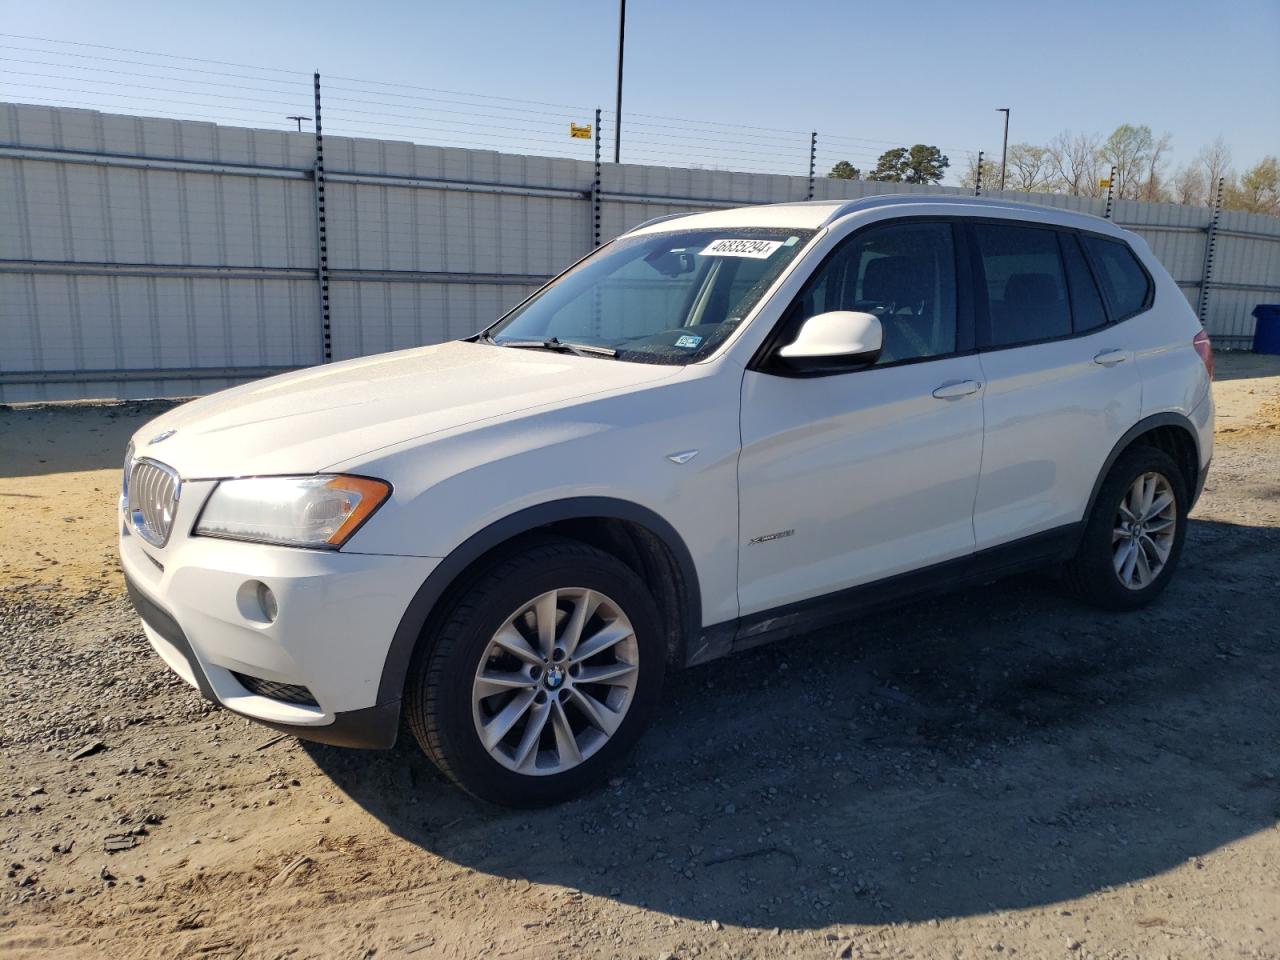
688 340
755 249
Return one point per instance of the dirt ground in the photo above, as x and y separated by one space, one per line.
996 773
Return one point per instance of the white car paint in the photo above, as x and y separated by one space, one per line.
872 473
1041 402
307 420
880 481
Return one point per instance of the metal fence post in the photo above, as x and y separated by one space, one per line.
595 191
977 180
322 235
1111 187
1211 241
596 302
813 160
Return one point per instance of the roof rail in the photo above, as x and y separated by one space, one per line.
669 216
883 199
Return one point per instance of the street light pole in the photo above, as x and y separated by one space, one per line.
1004 153
617 112
299 119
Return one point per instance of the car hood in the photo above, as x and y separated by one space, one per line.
305 421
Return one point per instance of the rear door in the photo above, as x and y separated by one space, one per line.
1061 382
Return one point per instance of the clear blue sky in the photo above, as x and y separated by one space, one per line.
888 73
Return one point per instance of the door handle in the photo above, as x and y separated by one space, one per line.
1109 358
960 388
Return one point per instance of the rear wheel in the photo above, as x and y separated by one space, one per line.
541 677
1133 538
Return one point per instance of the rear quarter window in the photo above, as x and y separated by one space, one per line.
1124 282
1087 311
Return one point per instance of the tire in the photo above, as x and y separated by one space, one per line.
447 703
1097 573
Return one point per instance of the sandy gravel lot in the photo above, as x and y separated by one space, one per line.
996 773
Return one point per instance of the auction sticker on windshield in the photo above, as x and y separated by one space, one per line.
755 249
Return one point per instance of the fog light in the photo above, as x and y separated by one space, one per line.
267 601
256 602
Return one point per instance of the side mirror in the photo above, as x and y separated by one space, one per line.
834 342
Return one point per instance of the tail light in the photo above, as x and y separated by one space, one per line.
1204 347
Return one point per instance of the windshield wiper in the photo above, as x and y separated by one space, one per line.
555 343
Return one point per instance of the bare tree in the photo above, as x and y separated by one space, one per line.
1152 187
1189 185
1029 168
1076 163
1215 161
1073 158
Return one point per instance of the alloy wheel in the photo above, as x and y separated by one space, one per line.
556 681
1145 524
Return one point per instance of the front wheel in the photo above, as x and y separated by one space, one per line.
542 676
1133 538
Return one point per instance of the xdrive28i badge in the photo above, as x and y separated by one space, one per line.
770 537
160 437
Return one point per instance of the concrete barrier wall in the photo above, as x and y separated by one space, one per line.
147 257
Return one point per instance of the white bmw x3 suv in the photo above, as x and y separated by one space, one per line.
716 430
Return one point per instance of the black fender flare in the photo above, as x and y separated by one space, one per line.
405 639
1145 425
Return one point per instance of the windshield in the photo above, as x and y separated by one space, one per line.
669 297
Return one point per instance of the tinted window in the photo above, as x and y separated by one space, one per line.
1087 311
1123 280
1026 289
904 274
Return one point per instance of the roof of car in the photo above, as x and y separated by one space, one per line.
814 214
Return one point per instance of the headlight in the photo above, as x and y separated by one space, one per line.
320 511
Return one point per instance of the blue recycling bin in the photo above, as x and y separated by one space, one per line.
1266 335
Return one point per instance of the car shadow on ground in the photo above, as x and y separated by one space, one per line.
996 749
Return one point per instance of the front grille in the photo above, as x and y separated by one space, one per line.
288 692
153 500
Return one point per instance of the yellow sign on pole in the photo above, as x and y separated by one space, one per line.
1104 183
580 133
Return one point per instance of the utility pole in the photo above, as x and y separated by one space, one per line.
299 119
1004 154
617 112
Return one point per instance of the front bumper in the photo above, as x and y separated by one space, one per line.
372 727
337 615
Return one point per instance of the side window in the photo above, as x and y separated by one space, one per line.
1125 283
1087 312
903 273
1026 287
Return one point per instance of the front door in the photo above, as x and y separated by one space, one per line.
848 478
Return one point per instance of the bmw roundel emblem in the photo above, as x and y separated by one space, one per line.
161 437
